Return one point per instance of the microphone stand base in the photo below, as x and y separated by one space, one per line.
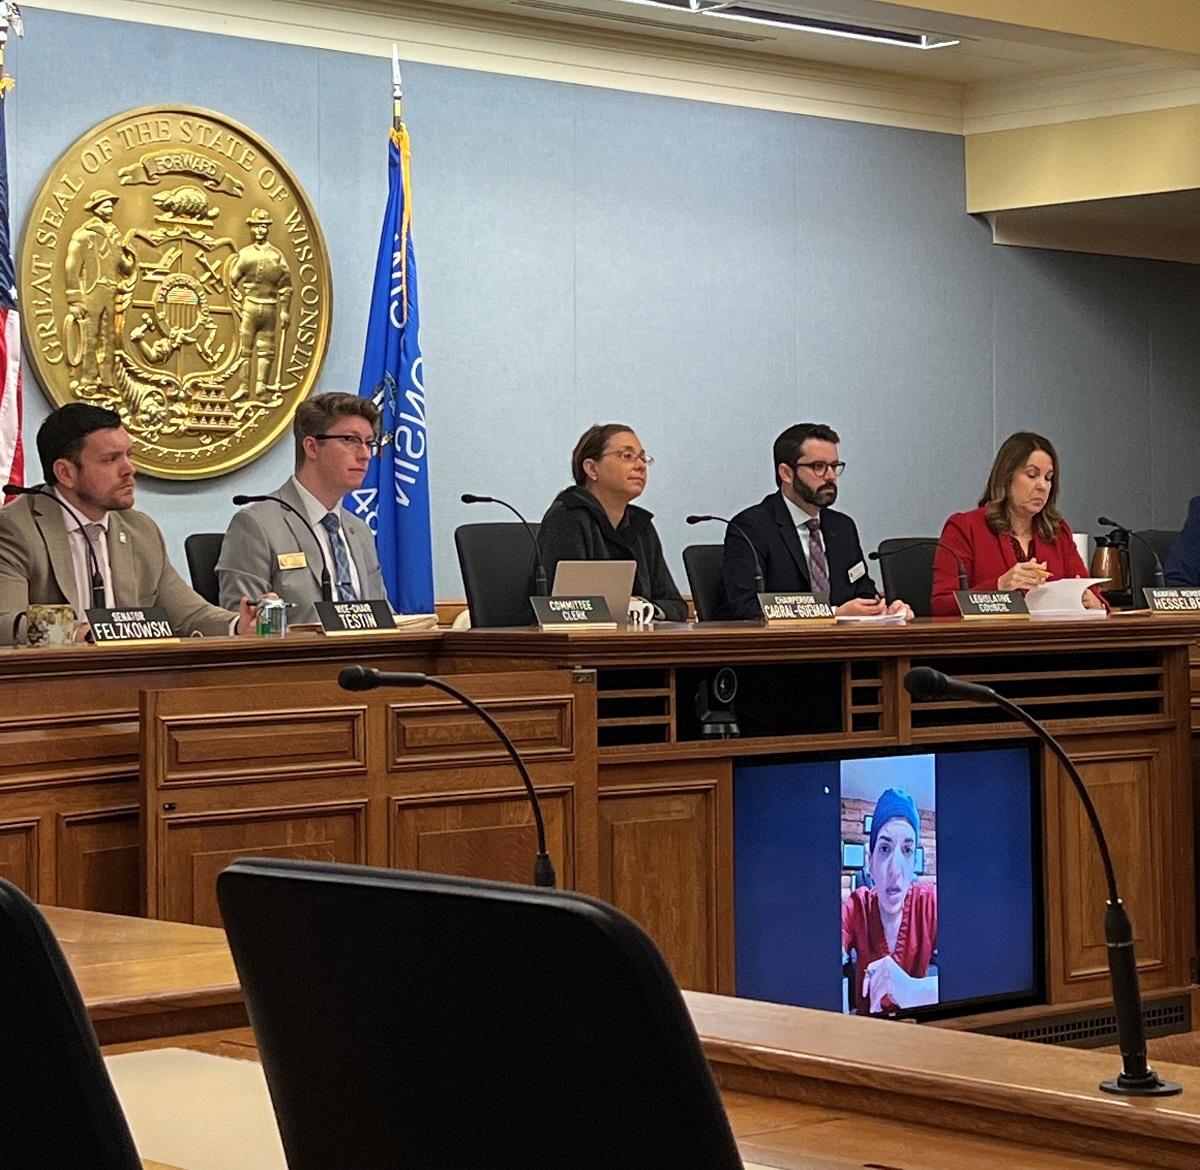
1151 1085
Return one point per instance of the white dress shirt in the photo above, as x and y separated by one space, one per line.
314 511
81 560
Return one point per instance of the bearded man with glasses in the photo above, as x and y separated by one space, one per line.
805 546
268 549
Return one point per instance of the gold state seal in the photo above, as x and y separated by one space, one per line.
172 269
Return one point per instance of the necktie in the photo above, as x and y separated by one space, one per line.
341 557
818 566
92 535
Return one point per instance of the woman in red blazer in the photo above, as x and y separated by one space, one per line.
1016 538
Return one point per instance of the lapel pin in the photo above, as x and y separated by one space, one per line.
121 537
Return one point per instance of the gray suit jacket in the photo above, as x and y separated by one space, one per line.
36 568
260 533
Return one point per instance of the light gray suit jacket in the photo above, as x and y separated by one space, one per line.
259 534
36 568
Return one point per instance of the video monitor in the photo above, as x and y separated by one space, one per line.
898 883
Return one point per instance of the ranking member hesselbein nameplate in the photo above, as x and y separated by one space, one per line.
151 624
991 603
1162 600
796 609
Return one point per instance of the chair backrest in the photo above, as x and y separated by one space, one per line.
908 572
702 563
203 550
496 561
58 1104
415 1020
1141 563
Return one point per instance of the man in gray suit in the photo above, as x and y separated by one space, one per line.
268 548
44 554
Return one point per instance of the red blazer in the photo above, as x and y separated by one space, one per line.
987 557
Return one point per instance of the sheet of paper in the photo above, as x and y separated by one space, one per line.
877 619
1063 598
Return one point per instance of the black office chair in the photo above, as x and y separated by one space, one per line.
1141 563
497 565
409 1019
702 563
203 550
56 1100
908 572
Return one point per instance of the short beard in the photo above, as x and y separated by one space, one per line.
814 497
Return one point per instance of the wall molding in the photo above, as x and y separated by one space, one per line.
495 42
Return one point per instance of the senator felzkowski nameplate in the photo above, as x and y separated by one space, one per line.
172 269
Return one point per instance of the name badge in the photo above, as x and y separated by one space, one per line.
296 560
859 570
572 613
1172 600
991 603
794 609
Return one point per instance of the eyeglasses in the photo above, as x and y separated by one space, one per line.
372 445
819 467
629 455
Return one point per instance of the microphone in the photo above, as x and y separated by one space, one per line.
364 678
326 583
540 588
98 598
922 542
1136 1078
758 573
1158 569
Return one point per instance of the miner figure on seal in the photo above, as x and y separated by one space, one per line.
261 287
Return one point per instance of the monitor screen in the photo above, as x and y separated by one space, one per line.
898 883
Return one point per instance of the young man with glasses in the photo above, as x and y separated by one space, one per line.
268 549
803 544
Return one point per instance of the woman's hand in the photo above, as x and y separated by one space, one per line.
1024 575
1091 601
886 979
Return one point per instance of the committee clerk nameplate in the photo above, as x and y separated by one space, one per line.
172 269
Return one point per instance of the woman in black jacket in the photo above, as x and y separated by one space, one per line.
596 520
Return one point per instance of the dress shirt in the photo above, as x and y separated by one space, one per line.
81 561
314 510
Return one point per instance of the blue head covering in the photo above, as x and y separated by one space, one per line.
893 803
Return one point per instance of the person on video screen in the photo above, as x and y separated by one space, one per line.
890 925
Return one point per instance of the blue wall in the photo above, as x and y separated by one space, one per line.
706 273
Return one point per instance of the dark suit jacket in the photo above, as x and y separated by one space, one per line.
772 530
1182 566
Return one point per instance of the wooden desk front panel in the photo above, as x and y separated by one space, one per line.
393 778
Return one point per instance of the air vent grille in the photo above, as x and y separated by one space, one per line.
699 28
1096 1028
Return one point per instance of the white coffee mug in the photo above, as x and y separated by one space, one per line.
641 613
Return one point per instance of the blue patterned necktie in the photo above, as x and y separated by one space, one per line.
818 566
341 558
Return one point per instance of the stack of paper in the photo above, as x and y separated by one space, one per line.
1063 599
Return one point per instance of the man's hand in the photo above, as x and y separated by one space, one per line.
862 607
247 623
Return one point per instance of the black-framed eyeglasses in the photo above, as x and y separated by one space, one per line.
819 467
372 445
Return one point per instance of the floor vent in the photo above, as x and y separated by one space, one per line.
1098 1026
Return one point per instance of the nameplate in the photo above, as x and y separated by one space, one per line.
356 617
792 609
572 613
985 603
1172 600
131 625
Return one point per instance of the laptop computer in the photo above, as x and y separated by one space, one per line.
612 580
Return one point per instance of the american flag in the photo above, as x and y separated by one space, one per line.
12 451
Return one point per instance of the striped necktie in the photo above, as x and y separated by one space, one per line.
818 566
341 558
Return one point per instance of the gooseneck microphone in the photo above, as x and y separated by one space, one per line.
98 598
758 573
925 542
364 678
1137 1078
540 587
326 577
1158 569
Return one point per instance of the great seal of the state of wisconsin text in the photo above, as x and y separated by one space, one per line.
172 269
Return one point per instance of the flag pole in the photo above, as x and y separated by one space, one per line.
397 94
